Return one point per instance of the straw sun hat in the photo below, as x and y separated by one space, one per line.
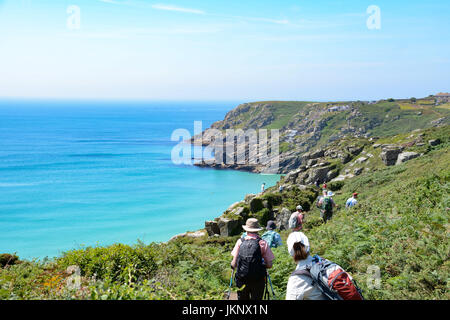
252 225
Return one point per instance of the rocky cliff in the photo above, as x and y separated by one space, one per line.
307 126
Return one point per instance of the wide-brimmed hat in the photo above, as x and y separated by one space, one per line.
252 225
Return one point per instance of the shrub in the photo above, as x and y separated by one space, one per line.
335 185
256 204
8 259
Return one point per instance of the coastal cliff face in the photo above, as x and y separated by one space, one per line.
307 126
324 143
335 165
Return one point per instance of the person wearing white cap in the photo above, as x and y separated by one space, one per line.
301 286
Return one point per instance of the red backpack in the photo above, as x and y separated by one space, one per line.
332 280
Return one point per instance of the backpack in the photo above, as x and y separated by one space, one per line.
250 261
293 220
327 205
269 237
332 280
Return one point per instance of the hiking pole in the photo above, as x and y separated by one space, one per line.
266 289
270 281
231 283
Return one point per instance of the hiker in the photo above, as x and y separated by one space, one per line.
251 257
281 188
301 286
263 186
296 219
272 237
324 194
351 202
316 278
326 205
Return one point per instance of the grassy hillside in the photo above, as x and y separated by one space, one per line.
401 225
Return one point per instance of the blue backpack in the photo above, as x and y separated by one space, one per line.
269 237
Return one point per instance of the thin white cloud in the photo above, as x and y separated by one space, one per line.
168 7
111 1
266 20
175 8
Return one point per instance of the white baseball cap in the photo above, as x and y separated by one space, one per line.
295 237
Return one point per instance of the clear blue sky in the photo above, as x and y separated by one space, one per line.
223 50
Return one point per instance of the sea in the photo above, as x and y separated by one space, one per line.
75 174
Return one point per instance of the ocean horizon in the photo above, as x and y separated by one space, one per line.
87 173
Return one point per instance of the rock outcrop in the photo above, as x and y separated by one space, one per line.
390 154
282 219
405 156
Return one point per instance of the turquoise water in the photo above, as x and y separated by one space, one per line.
83 174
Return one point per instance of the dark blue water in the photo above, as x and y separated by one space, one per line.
85 173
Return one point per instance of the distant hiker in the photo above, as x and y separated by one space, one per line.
324 186
263 186
326 205
319 199
296 219
317 184
281 188
251 257
301 286
351 202
272 237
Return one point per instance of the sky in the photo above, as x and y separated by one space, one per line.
232 50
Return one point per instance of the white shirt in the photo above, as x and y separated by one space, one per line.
300 287
351 202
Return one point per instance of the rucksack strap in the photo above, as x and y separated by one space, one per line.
301 272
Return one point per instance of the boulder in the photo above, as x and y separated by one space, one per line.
342 177
361 159
240 211
212 228
344 157
405 156
434 142
196 234
389 155
291 176
355 150
314 154
282 219
318 174
358 171
229 227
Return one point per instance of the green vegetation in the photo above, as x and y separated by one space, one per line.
400 225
